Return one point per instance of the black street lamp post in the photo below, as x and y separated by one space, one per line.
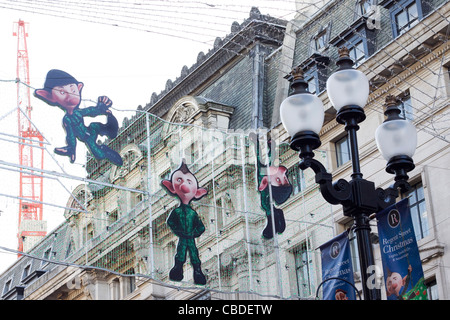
302 115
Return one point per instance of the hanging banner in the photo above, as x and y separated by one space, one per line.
402 267
337 263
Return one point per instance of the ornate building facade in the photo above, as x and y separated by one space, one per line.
115 242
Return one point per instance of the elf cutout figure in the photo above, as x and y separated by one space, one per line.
64 91
395 283
273 177
185 222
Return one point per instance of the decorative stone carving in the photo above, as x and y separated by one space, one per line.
131 156
183 113
200 111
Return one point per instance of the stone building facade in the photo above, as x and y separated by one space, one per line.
106 249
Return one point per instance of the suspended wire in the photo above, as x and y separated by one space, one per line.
375 56
113 15
290 35
188 289
378 157
294 220
107 23
424 127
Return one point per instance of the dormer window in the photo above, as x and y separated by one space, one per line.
7 287
364 7
312 82
357 51
359 38
405 14
405 105
46 256
406 18
201 111
315 68
26 271
320 41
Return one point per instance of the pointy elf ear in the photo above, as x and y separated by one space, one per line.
169 186
264 183
200 193
45 95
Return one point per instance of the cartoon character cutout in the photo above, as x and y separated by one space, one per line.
395 283
64 91
340 294
184 221
275 178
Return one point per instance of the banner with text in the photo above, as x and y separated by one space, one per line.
337 263
402 267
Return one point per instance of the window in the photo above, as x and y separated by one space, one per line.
303 264
69 248
320 41
406 18
358 53
131 284
418 209
112 216
26 271
165 175
404 15
189 153
432 290
405 106
46 256
88 232
316 74
359 38
47 253
131 281
136 197
342 151
312 87
296 179
447 78
363 7
219 214
7 286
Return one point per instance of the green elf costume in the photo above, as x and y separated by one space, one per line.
185 223
64 91
281 188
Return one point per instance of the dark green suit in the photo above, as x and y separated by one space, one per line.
187 225
75 128
279 194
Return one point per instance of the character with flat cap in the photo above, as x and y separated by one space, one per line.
64 91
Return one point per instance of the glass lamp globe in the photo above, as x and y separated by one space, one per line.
302 112
396 138
348 87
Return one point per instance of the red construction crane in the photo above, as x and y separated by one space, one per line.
31 152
